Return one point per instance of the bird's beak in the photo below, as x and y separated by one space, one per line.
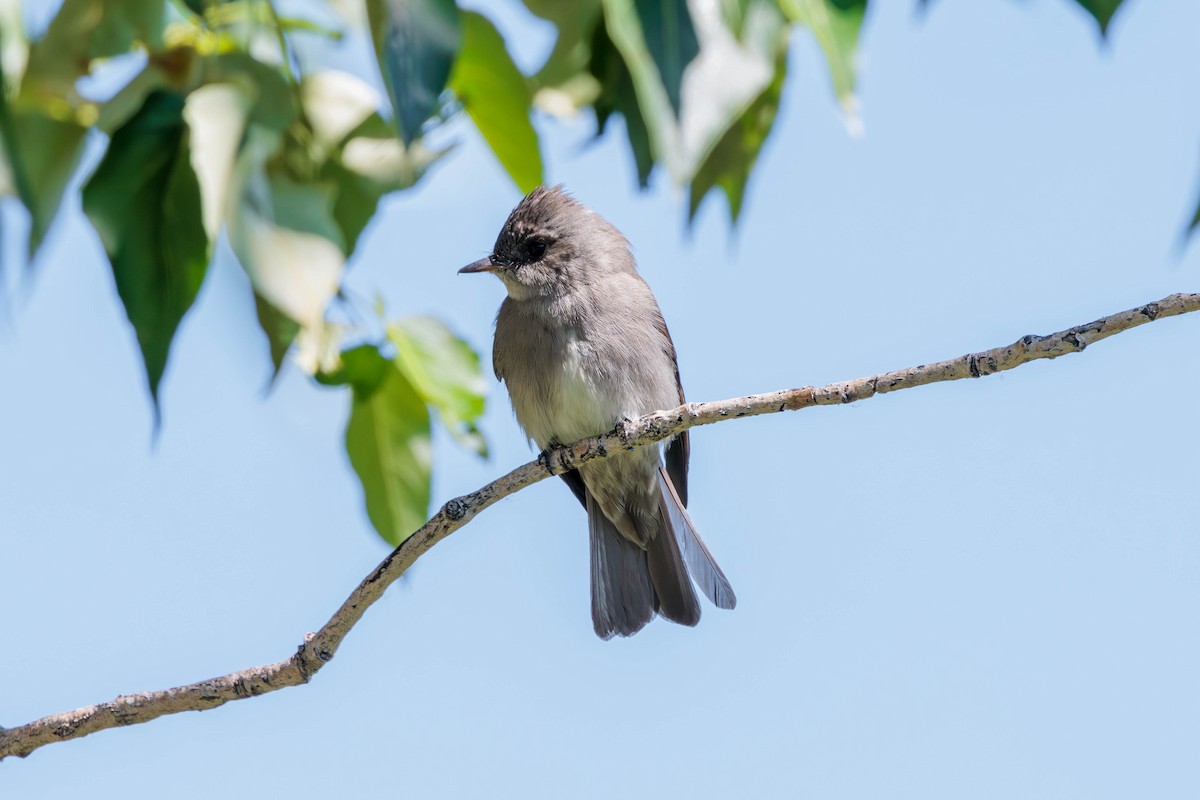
484 264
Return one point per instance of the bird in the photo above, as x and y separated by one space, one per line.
581 345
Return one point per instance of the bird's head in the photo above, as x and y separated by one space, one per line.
552 244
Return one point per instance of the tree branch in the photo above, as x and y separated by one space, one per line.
320 647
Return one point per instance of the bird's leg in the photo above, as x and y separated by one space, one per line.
544 456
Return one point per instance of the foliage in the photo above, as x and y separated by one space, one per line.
219 129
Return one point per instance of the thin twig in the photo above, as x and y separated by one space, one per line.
290 69
320 647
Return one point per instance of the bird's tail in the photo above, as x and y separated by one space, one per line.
701 565
631 584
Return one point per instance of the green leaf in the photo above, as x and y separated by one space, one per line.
274 101
1102 10
494 92
363 368
85 30
388 442
445 371
126 102
144 201
730 163
371 163
733 13
355 201
836 25
279 329
671 40
576 23
415 43
42 155
617 95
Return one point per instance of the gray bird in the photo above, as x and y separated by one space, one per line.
581 345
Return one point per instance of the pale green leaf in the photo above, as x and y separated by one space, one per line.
563 82
445 371
373 153
495 94
730 163
284 232
335 104
216 115
387 440
727 76
836 25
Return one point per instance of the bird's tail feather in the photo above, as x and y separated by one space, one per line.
700 562
623 598
630 585
677 600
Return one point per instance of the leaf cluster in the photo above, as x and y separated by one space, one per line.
218 129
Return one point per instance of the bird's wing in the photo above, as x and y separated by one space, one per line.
679 449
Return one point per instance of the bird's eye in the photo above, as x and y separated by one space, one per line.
537 249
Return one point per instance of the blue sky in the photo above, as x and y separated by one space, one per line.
985 589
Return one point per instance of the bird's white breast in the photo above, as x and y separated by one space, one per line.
577 403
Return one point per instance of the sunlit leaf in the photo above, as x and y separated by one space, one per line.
445 371
671 40
1102 11
216 115
415 43
373 152
733 12
494 92
14 49
726 77
369 162
335 104
284 233
836 25
388 442
144 201
730 163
